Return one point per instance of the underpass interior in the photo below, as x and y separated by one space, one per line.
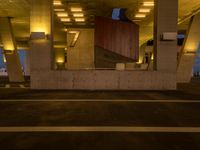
99 74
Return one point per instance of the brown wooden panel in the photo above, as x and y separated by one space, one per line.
117 36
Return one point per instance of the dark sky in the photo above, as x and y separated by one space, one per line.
22 54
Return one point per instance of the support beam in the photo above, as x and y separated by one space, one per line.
165 21
188 53
10 51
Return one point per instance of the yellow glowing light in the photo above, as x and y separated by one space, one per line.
65 19
76 9
4 59
57 3
79 19
62 14
140 60
148 4
65 29
140 16
39 28
59 10
152 57
144 10
78 14
9 47
60 60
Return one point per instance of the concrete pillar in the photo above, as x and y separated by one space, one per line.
165 21
41 26
13 65
189 50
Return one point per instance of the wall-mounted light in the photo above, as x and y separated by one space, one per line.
4 58
60 60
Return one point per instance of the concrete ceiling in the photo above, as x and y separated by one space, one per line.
20 11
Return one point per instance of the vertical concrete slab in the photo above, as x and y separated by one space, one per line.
13 65
188 53
166 16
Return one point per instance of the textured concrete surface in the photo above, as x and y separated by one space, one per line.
100 141
63 113
103 80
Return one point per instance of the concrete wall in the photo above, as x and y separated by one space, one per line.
103 80
82 55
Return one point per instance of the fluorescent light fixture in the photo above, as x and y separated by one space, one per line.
57 3
76 9
78 14
144 10
148 3
140 16
59 9
79 19
65 19
62 14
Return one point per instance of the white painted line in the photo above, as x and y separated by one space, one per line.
102 129
7 86
101 100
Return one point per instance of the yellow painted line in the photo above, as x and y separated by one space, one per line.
102 129
101 100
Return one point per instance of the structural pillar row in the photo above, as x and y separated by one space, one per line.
14 68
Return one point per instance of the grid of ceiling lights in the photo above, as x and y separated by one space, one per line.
77 13
144 10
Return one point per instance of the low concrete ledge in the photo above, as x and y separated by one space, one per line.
103 80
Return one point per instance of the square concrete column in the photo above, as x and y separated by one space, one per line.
41 26
165 22
13 65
